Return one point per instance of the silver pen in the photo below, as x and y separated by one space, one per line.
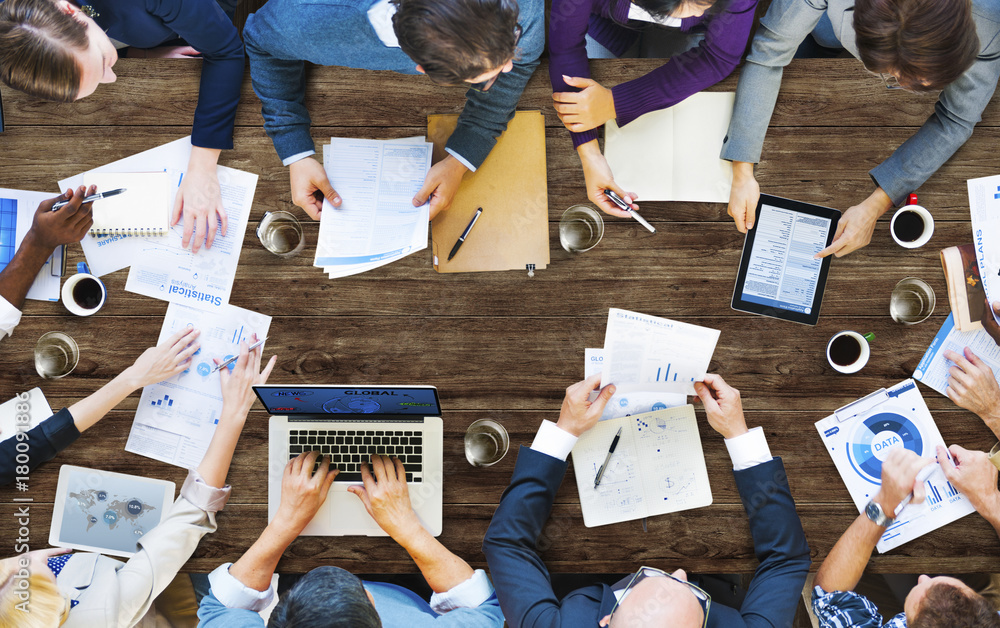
236 357
91 198
617 200
607 459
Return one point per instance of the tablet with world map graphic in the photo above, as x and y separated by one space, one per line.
101 511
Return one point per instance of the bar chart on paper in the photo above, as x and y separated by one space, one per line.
663 374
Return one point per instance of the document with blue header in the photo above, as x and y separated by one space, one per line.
933 368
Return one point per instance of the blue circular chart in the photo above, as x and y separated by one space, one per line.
875 437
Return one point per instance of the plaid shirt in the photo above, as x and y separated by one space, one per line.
847 609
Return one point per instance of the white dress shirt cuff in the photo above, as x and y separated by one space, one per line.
10 316
749 450
468 594
208 498
288 161
461 159
234 594
554 441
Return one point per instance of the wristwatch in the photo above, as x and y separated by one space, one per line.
877 515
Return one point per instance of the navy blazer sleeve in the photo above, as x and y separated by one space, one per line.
44 441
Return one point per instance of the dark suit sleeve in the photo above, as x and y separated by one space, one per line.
44 441
519 575
779 543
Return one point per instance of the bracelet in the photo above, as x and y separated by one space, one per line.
994 455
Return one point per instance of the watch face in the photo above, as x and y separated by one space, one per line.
873 511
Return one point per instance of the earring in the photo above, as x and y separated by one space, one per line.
90 11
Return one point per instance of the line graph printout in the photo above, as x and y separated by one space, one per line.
176 418
782 272
651 354
933 368
657 468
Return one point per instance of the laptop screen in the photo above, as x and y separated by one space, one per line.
346 400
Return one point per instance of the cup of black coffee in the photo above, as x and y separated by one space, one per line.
912 226
848 351
83 293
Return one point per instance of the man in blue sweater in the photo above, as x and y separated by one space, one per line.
490 46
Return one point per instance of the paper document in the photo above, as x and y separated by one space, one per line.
861 435
630 403
377 223
176 418
17 212
35 408
933 367
142 209
984 199
673 154
160 267
650 354
658 467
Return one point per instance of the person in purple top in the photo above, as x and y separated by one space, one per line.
719 30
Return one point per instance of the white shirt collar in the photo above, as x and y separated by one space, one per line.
635 12
380 16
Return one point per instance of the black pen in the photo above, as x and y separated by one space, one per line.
91 198
600 472
465 234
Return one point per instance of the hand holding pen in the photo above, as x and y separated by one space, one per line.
91 197
237 386
50 229
617 200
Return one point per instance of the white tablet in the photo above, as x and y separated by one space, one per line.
779 276
101 511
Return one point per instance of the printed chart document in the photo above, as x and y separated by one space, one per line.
984 199
177 417
377 223
861 435
673 154
933 367
782 272
160 267
658 467
650 354
630 403
17 211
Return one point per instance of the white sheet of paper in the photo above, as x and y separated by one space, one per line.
984 199
933 369
45 287
376 224
658 467
673 154
859 444
631 403
176 418
645 353
37 411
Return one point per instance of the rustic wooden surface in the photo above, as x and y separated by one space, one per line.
505 346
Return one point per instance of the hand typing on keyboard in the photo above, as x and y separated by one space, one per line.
387 498
303 491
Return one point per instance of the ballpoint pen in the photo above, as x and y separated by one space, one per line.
465 234
223 365
617 200
614 443
91 198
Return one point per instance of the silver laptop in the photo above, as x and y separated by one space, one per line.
350 423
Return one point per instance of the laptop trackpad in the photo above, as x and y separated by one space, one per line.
348 515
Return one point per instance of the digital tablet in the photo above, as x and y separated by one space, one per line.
778 276
101 511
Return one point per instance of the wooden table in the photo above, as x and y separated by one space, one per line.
505 346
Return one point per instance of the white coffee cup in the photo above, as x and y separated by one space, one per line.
83 294
925 215
850 363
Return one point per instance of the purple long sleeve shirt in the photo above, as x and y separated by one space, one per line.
714 59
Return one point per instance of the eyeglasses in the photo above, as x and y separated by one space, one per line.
704 599
487 84
890 81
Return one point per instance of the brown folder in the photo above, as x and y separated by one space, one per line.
513 231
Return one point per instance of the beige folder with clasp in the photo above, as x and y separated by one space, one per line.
513 231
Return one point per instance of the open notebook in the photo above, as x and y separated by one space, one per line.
658 467
143 209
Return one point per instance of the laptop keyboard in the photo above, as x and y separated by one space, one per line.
348 449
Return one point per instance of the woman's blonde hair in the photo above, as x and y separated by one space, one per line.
39 605
37 44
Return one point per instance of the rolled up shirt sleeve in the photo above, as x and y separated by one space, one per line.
469 594
234 594
10 316
844 609
203 496
45 440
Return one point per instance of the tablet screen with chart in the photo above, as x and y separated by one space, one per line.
779 275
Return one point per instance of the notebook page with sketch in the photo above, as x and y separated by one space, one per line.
657 468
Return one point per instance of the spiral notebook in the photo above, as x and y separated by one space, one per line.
143 209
